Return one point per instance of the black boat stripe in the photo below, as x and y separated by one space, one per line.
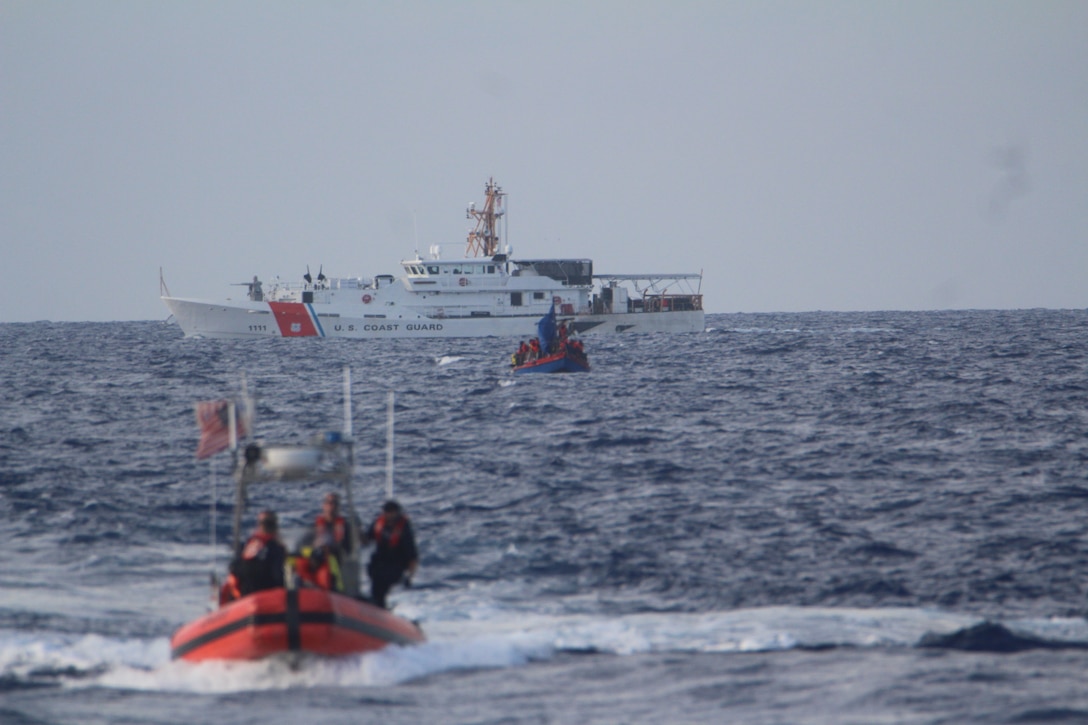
373 630
257 620
294 636
253 620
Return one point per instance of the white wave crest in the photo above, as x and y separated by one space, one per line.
481 635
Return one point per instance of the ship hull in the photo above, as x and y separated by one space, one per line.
245 319
561 362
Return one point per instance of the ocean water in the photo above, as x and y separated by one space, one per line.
787 518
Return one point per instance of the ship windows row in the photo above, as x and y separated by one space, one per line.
427 270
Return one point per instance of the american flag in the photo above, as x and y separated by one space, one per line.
212 416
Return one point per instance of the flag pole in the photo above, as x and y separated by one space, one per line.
214 578
214 494
232 423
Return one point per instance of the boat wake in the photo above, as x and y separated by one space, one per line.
511 639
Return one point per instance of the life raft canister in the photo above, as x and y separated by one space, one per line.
367 299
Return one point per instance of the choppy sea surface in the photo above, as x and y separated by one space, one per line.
788 518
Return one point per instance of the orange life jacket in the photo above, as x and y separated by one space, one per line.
321 528
258 541
320 576
229 591
394 535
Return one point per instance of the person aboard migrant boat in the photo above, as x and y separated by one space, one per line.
521 356
395 558
259 565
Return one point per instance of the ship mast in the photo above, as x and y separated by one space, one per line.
483 241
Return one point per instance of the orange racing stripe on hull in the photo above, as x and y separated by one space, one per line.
295 319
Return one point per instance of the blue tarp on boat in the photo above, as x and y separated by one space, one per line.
545 329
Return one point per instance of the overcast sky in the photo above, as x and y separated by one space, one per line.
803 155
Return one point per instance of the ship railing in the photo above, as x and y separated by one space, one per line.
280 288
667 303
650 303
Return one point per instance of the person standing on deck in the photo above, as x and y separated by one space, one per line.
326 546
259 565
395 558
330 530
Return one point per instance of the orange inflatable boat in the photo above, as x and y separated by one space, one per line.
275 621
296 619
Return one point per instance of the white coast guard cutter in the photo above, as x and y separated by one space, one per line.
487 293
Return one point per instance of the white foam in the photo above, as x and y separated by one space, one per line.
477 634
448 359
24 653
1055 629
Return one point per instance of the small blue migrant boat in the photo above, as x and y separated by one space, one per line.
554 351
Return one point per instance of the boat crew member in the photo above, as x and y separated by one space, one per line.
330 529
326 546
259 565
395 558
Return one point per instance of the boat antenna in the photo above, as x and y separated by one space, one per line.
240 472
351 572
164 291
389 448
347 403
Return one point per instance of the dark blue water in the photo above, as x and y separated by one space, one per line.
792 518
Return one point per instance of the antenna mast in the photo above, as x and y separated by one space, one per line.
389 447
483 241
